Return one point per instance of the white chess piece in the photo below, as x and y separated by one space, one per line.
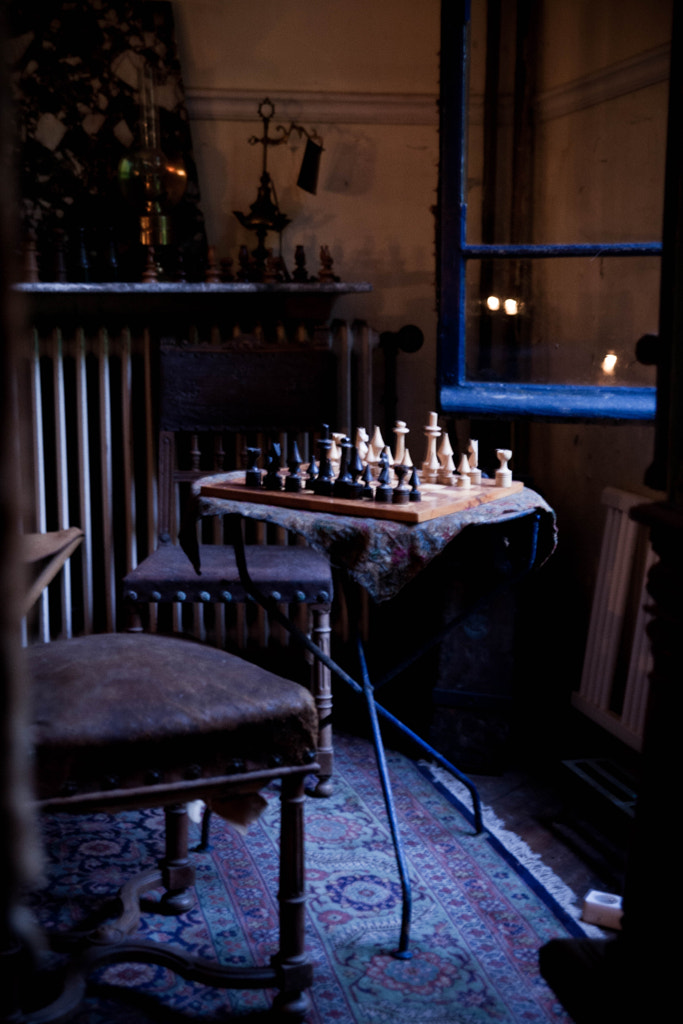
463 478
377 443
473 459
362 440
446 471
503 474
400 430
430 466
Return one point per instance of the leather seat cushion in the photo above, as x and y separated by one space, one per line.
127 710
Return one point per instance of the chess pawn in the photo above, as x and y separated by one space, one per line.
366 480
384 490
401 493
445 474
430 466
473 459
252 477
407 461
311 473
463 479
272 481
503 474
400 431
415 492
377 443
294 482
300 274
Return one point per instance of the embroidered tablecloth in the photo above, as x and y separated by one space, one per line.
379 554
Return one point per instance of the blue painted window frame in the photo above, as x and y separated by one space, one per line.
458 395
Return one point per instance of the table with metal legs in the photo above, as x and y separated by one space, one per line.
381 556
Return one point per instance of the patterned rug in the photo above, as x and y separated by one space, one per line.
478 918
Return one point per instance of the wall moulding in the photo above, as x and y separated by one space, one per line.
317 107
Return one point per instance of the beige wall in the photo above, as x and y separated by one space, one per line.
366 75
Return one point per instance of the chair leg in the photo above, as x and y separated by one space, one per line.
322 693
177 872
296 972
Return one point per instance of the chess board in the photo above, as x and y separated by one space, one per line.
437 500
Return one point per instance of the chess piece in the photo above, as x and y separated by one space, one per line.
226 269
384 490
362 443
377 443
415 492
463 479
503 474
324 483
295 481
473 459
312 473
445 474
355 469
407 461
343 485
430 466
366 479
180 276
244 272
400 430
272 481
252 477
401 492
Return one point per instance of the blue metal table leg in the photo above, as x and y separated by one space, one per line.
402 953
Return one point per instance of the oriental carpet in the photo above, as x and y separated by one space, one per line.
479 917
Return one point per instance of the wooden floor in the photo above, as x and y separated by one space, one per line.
579 832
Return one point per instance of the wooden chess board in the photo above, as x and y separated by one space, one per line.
437 500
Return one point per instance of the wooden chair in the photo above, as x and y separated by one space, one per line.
135 720
206 394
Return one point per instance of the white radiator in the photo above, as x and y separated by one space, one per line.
617 663
93 464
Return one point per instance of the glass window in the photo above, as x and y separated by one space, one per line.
553 139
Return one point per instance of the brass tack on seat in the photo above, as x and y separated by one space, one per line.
323 596
235 766
299 595
204 596
131 595
276 595
180 595
112 782
152 776
226 596
309 757
155 596
275 760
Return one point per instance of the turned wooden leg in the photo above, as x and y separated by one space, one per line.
322 692
292 1002
177 872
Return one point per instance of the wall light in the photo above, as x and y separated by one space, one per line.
609 363
493 303
511 307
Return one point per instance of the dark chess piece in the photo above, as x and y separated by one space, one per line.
295 481
252 477
368 490
312 473
324 483
226 270
343 485
401 495
272 481
415 492
384 490
271 274
355 469
180 274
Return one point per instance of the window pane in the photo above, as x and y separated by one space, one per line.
561 321
567 121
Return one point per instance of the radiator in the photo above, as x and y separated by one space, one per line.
91 459
617 662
